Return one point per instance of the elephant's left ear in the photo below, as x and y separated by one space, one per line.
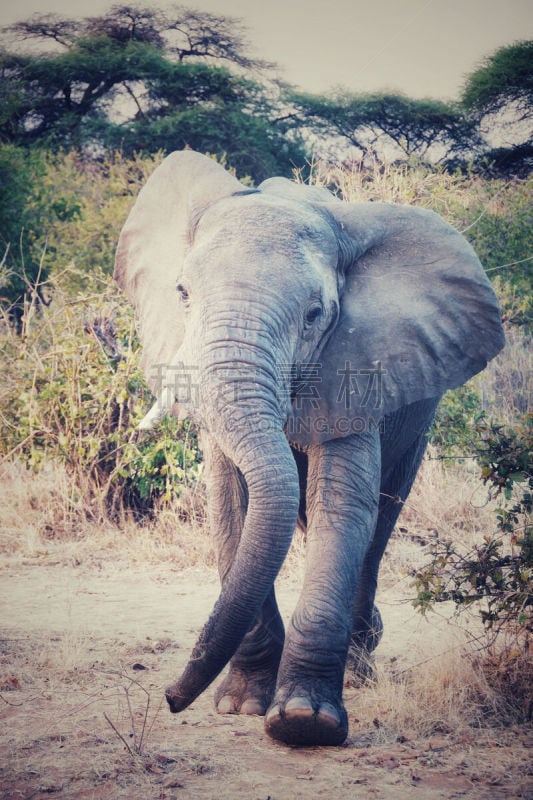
154 242
418 316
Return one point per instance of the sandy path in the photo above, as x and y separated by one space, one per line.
125 601
70 638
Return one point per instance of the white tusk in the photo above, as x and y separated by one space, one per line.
161 407
151 419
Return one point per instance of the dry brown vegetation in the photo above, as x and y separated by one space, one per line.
99 617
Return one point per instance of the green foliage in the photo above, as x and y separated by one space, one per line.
498 572
57 93
144 79
140 80
500 229
503 78
456 428
104 192
391 126
166 65
63 215
21 216
72 393
220 130
499 96
506 457
166 461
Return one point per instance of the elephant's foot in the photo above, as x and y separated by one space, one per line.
307 716
245 692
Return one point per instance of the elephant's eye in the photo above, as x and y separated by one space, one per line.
183 294
314 312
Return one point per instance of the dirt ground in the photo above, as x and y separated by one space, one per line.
86 650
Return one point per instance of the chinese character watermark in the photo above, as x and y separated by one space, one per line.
359 386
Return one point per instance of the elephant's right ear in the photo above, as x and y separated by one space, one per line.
153 244
417 316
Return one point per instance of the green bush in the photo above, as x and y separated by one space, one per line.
102 192
72 393
497 573
500 228
21 220
455 430
61 215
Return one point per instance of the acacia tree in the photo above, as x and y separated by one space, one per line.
390 126
136 79
498 95
52 97
503 79
141 79
182 33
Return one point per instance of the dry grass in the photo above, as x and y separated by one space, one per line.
448 194
44 521
44 517
440 695
506 385
447 502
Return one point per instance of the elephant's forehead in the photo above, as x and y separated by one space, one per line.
256 220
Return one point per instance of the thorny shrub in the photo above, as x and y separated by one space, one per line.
496 573
72 392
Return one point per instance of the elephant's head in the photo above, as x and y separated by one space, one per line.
283 312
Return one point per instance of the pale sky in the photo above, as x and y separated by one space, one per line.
424 48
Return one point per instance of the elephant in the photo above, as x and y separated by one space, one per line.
310 339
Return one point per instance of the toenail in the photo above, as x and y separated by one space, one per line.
252 706
226 705
301 704
273 713
329 711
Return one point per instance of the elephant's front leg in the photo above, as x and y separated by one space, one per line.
403 444
249 686
342 501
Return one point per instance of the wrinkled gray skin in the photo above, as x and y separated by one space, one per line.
318 337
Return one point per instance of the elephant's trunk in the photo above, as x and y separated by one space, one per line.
248 427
